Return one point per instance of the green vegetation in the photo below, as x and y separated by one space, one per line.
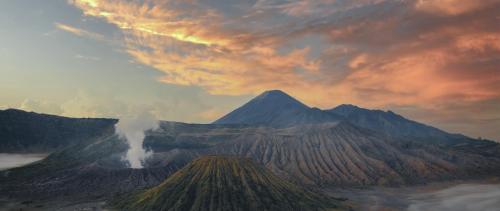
226 183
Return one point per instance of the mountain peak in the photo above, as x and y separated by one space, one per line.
277 97
237 183
274 91
348 106
345 109
277 109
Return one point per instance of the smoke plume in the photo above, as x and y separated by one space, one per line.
132 128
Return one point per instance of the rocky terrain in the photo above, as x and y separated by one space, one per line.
226 183
329 153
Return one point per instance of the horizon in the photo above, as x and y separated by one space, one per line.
198 60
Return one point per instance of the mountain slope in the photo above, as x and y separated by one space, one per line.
331 153
226 183
22 131
277 109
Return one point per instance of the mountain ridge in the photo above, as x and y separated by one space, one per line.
395 125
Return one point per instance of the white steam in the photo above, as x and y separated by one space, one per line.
132 128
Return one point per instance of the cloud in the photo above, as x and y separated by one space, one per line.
301 8
211 115
452 7
40 106
78 31
86 104
85 57
197 50
376 53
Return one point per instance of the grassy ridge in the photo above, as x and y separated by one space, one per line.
226 183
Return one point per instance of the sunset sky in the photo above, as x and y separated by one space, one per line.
434 61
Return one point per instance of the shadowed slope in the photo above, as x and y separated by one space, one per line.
227 183
22 131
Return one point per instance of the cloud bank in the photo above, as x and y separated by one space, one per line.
439 56
466 197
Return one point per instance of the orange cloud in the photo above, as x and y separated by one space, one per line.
429 54
452 7
197 51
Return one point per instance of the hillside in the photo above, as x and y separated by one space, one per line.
226 183
22 131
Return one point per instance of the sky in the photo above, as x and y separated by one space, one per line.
434 61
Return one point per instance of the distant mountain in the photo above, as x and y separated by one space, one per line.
22 131
394 125
276 109
216 183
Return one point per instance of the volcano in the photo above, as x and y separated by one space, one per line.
275 108
227 183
